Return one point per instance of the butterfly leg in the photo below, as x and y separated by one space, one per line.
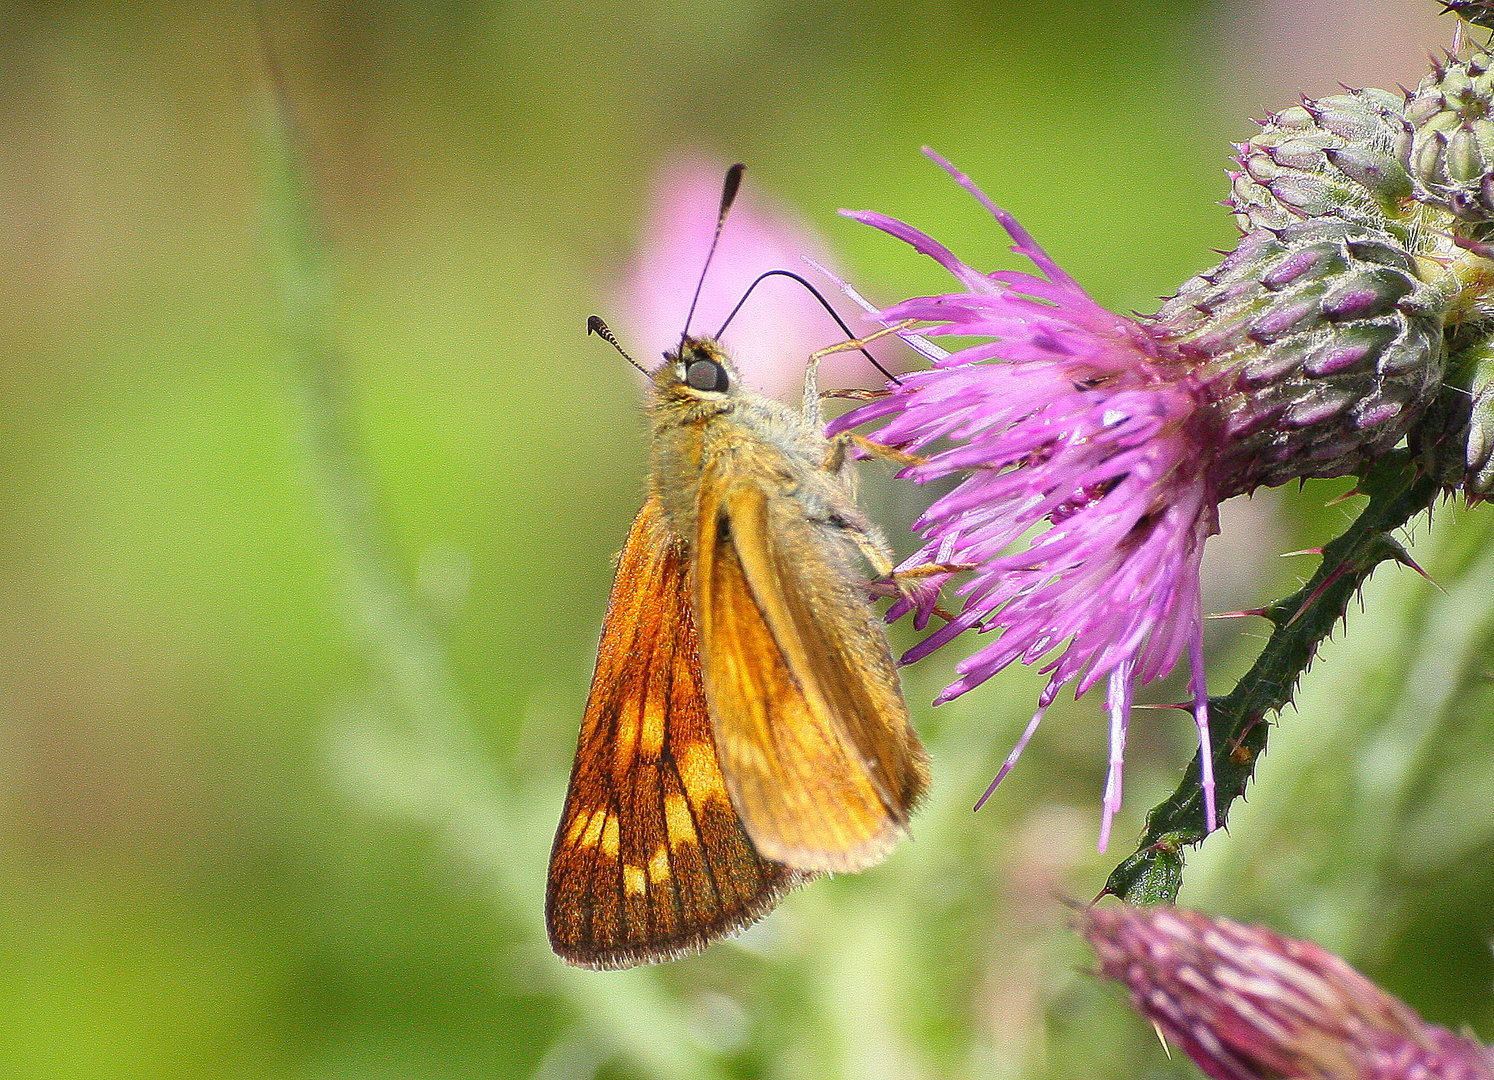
873 549
875 552
885 452
812 393
932 569
835 454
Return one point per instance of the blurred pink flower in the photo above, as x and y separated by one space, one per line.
777 329
1249 1004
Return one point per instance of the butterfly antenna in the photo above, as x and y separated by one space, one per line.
823 303
595 325
729 189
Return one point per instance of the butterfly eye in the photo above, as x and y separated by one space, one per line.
706 375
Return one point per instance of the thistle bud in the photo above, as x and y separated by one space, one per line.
1318 344
1478 439
1451 157
1249 1004
1339 155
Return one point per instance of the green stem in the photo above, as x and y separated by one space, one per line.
1397 491
388 616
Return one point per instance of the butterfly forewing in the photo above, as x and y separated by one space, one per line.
650 861
811 729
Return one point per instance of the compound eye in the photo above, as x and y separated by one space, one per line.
706 375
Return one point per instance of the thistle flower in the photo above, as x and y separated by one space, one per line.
1249 1004
1096 447
1091 429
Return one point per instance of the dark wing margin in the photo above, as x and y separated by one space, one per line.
650 862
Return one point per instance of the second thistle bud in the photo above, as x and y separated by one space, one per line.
1449 141
1341 155
1249 1004
1323 338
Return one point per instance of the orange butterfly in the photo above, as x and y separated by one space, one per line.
745 729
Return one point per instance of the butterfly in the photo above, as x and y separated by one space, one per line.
745 729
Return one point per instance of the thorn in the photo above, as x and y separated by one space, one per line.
1319 591
1162 1038
1303 551
1187 708
1075 905
1480 248
1264 613
1345 497
1403 557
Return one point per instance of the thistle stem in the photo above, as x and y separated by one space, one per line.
1397 491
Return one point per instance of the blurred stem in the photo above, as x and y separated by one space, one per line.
404 646
629 1013
1397 491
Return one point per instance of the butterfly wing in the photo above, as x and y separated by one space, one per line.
811 728
650 862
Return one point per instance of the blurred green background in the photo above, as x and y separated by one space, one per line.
254 825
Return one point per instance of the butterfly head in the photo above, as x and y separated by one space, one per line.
699 371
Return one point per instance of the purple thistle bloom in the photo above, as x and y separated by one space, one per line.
1086 443
1249 1004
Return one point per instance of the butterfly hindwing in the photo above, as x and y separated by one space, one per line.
650 861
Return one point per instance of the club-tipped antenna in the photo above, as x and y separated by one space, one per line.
595 325
729 189
823 303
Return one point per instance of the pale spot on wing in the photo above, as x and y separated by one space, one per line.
610 837
634 880
658 866
592 826
652 740
677 820
701 774
625 746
